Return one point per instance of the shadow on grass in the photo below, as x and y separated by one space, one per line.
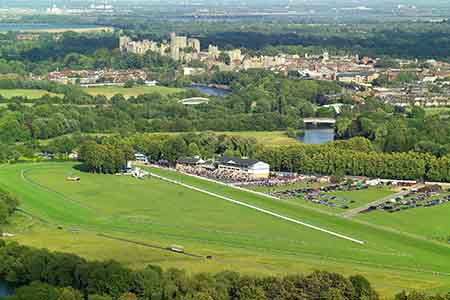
82 168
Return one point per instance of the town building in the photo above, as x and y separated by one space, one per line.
363 77
101 77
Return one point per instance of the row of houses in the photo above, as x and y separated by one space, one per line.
97 77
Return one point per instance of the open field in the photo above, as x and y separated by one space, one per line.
160 213
110 91
106 91
437 110
267 138
274 138
28 93
429 222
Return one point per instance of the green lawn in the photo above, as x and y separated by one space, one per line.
28 93
437 110
428 222
238 238
273 138
110 91
267 138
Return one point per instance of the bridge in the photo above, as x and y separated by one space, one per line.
316 121
194 101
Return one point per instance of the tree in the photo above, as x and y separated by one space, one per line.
193 149
363 288
174 148
129 84
69 294
36 291
224 58
99 297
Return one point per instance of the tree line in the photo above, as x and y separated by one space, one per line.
110 154
364 161
395 129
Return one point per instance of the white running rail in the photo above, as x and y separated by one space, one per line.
259 209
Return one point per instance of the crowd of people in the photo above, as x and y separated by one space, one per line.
242 179
223 175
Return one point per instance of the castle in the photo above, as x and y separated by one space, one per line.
179 48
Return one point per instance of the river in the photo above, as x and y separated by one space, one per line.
210 91
4 289
21 26
317 136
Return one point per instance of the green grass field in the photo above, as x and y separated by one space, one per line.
109 91
28 93
428 222
274 138
238 238
267 138
437 110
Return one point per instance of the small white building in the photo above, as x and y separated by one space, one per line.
252 168
73 155
140 158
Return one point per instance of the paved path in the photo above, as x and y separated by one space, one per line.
265 211
352 212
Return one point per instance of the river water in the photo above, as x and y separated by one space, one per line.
317 136
4 289
210 91
20 26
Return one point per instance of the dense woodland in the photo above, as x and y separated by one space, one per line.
393 129
8 204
